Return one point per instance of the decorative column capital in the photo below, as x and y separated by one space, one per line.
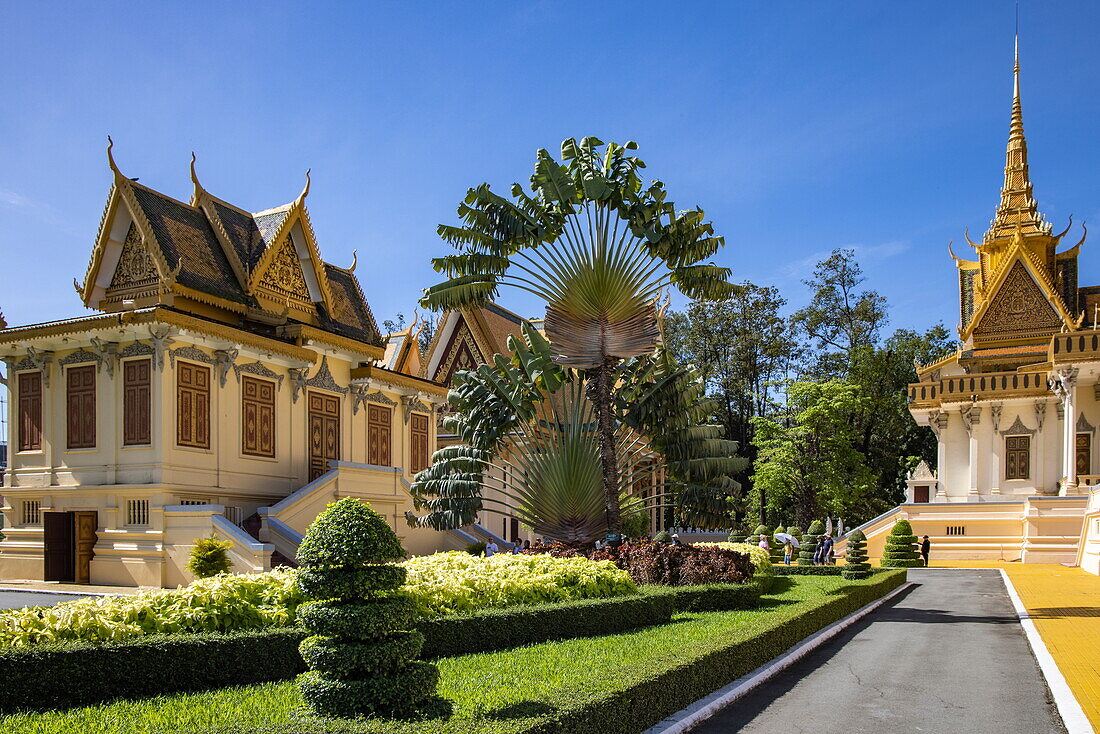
971 416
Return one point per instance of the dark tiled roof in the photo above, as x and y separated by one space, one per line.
267 225
243 234
351 316
184 234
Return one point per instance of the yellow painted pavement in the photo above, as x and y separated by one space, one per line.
1064 604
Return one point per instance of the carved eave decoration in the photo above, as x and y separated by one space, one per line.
1018 429
324 380
259 369
922 472
482 341
1083 425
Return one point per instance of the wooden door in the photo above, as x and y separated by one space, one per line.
1084 453
324 432
58 556
379 435
85 524
920 494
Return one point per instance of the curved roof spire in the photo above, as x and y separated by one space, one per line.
1018 209
195 180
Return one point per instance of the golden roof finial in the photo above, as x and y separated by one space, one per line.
1017 207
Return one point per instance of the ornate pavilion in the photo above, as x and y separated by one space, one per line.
1015 407
230 382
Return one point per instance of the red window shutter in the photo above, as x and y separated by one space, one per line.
257 417
80 406
30 411
136 402
192 405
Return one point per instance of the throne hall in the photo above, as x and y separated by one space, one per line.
1015 408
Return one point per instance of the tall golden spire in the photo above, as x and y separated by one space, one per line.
1017 209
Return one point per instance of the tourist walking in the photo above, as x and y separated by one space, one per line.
491 548
824 555
788 550
925 549
764 542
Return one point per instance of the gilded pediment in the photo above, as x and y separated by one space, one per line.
1018 309
135 271
284 278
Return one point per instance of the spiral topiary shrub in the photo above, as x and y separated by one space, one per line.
855 558
809 543
362 645
901 547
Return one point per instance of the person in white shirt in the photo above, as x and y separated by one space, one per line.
491 548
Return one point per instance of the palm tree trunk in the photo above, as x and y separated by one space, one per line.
599 386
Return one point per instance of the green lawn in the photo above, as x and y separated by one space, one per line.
525 689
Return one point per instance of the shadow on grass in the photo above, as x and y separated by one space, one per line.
521 710
779 585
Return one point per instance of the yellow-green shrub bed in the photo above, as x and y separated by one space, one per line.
457 582
223 603
440 584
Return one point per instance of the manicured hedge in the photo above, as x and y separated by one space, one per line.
503 628
784 570
715 597
78 673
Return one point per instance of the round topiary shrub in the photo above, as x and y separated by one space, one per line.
760 530
362 646
809 543
855 558
901 547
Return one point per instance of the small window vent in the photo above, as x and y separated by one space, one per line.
137 512
956 530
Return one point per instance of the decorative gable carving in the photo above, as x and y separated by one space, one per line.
461 354
1018 309
135 270
284 277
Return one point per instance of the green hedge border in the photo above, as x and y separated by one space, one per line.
783 570
500 629
715 597
81 673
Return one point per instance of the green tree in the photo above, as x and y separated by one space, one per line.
600 248
531 417
807 462
742 347
840 318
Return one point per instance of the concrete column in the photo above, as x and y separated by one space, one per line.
971 417
1041 486
996 448
1065 386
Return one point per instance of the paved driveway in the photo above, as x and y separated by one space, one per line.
947 656
15 599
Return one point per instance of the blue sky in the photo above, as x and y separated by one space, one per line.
798 126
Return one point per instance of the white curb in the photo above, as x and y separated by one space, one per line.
54 593
1073 716
707 706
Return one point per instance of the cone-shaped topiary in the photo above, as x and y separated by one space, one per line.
362 644
855 558
777 545
736 536
809 543
901 547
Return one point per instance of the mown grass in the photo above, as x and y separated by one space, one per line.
506 691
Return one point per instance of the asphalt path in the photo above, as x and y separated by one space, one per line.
16 599
948 655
